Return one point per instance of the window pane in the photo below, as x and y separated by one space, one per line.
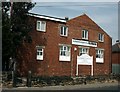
65 48
61 47
62 53
37 53
68 48
64 32
82 34
41 53
85 33
42 25
38 25
61 30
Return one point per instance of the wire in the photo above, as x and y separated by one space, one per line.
66 5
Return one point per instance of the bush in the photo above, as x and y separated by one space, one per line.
53 80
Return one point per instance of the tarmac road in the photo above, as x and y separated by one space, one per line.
101 87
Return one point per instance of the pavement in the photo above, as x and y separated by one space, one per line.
96 86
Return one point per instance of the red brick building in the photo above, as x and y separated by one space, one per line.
66 47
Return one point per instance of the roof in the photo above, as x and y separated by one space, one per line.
47 17
116 47
86 20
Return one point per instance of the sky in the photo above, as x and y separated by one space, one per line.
105 14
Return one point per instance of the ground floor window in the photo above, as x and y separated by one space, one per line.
64 54
40 52
99 55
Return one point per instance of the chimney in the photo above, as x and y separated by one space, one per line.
117 41
66 18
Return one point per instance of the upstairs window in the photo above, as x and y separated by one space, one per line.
84 34
83 51
41 26
63 30
101 37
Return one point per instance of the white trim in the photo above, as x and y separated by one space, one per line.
99 60
47 17
64 58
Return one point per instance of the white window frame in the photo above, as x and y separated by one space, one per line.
83 50
85 34
62 30
40 52
64 53
41 26
101 37
99 55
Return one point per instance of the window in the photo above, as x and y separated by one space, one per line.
41 26
63 31
99 55
101 37
83 51
84 34
40 50
64 53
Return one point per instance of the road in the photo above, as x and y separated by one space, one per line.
111 87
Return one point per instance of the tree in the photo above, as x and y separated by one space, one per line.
6 36
15 29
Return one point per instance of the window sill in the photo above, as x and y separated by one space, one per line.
39 58
41 31
101 41
64 36
64 58
99 60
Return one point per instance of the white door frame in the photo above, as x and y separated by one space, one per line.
84 59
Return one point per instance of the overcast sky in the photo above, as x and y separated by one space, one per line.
104 14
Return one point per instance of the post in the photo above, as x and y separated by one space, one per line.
14 75
29 79
77 70
92 67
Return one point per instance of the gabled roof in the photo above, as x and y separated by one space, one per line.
85 20
116 47
47 17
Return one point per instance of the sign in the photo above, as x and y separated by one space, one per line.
84 43
84 59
